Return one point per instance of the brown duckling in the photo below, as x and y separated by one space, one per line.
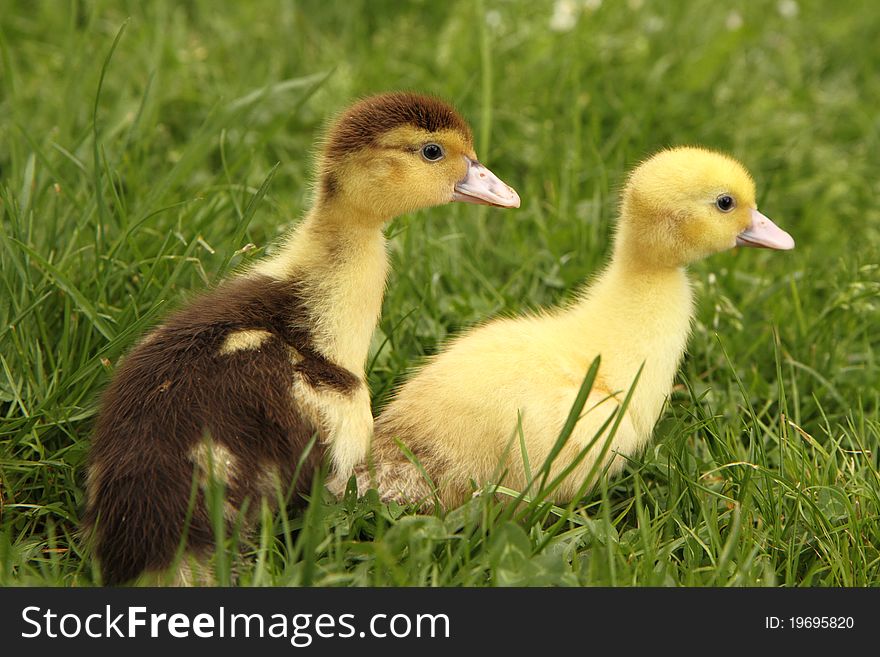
235 385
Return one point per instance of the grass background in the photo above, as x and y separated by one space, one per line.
128 181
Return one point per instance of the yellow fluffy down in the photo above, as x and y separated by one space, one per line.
459 414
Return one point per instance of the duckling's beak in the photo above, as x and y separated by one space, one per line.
483 187
763 233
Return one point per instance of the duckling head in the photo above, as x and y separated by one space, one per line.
397 152
683 204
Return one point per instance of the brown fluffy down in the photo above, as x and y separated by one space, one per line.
174 389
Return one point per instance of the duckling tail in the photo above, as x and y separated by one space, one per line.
138 519
394 476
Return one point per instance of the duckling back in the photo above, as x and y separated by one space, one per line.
194 410
490 407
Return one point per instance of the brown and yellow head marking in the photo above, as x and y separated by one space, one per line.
397 152
362 124
373 164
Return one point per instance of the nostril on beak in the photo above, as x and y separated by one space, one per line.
480 185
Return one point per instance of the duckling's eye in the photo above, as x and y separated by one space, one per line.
725 203
432 152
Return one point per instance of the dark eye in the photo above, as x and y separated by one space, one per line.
432 152
725 203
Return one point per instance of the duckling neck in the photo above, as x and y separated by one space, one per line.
341 264
638 317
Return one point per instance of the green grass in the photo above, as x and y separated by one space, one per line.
130 176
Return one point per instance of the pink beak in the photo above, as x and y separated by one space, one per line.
483 187
763 233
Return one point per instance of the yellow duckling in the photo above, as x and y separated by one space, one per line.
235 385
459 414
